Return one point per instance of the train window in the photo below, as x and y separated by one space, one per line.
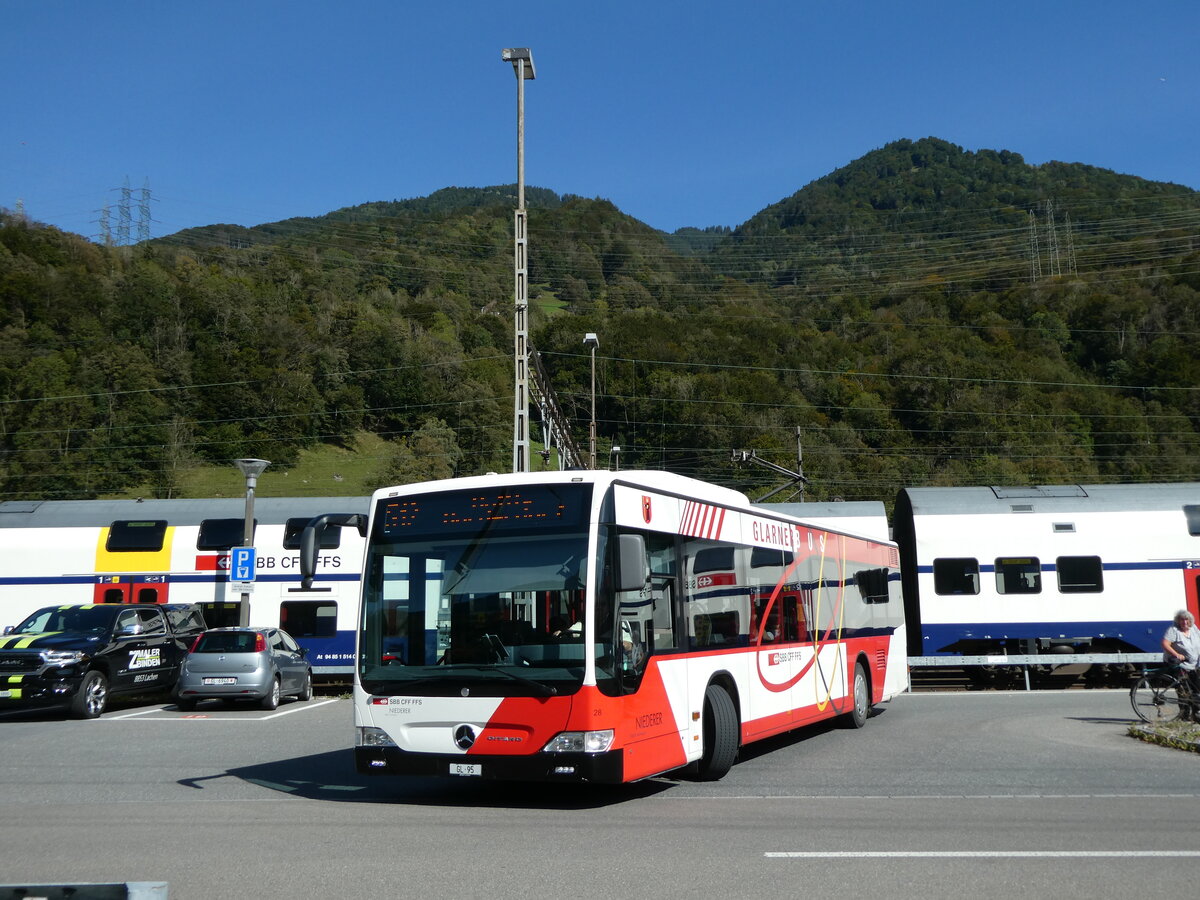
956 576
222 534
1079 574
1192 512
1018 575
305 618
331 538
872 585
136 537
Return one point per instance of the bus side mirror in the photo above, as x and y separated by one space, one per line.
310 540
633 570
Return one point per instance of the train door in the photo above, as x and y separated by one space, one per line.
225 613
132 559
1191 586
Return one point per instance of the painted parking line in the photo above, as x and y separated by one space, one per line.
981 854
143 714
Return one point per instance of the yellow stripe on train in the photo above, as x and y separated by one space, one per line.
148 561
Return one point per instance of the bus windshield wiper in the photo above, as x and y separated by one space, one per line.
545 690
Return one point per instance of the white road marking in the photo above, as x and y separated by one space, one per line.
982 854
191 717
1189 796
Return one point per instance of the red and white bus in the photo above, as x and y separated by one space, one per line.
608 627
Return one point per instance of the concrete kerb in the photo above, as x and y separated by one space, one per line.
1178 735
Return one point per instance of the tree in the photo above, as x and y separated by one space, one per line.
430 453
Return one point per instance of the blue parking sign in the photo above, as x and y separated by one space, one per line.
242 563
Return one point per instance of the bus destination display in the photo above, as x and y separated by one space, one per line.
509 509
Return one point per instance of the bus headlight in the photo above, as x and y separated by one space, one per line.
580 742
370 736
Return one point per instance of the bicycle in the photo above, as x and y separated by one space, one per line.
1162 695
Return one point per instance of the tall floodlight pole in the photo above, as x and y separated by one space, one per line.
522 63
251 468
591 341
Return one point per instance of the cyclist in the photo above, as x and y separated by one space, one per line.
1181 646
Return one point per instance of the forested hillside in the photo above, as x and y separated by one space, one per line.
923 315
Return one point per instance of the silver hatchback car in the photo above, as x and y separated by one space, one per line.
260 664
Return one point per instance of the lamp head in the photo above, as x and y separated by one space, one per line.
516 55
251 468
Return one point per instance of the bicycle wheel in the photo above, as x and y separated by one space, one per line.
1155 698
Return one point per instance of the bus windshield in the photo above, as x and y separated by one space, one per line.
476 592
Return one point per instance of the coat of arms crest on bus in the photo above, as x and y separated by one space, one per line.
646 508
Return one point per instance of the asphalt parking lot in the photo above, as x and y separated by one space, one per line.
939 795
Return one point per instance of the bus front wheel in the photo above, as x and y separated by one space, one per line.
720 734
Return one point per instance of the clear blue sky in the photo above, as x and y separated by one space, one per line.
682 113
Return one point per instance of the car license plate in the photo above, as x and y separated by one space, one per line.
220 681
4 695
466 769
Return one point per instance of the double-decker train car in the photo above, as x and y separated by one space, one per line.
178 551
1051 569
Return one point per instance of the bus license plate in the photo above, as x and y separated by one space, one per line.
220 681
466 769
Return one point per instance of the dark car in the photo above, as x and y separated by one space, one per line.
77 656
259 664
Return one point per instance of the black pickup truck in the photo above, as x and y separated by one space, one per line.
77 656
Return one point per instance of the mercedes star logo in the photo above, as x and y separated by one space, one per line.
464 737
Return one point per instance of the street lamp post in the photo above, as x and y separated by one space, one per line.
251 468
522 63
590 340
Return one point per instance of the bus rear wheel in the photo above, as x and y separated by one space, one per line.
861 697
720 734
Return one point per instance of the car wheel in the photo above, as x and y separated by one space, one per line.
306 690
271 701
92 697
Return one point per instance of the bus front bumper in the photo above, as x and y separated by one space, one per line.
600 768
